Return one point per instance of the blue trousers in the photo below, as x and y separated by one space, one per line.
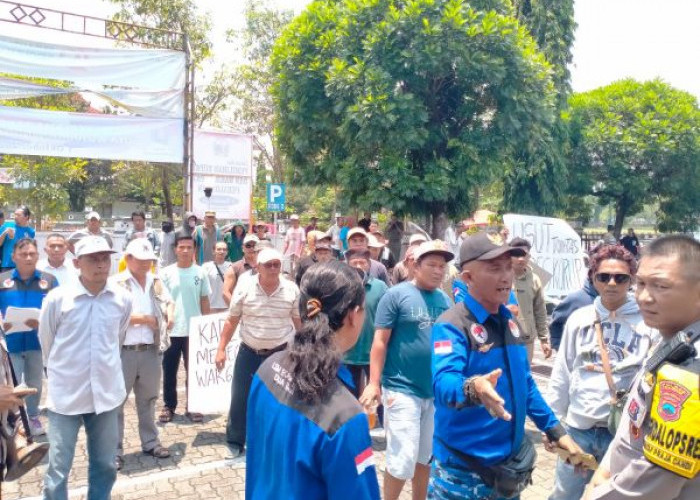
450 482
102 440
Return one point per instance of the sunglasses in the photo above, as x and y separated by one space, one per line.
619 278
250 245
272 265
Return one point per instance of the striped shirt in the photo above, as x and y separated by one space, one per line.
265 320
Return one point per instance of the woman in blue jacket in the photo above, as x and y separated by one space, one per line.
308 437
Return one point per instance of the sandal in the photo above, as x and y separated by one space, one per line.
166 415
158 451
196 418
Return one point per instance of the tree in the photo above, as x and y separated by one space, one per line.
254 112
638 143
409 105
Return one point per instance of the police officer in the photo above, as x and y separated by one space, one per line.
483 386
656 451
308 437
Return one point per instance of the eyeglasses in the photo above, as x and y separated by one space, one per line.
250 245
272 265
619 278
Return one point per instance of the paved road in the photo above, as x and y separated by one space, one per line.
198 468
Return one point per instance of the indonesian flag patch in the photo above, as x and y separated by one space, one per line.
443 347
364 460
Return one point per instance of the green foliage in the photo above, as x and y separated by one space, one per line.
410 105
635 143
171 15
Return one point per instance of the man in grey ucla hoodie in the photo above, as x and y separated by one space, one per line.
578 391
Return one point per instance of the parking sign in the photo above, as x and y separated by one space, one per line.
276 197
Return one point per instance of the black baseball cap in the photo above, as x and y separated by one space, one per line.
485 246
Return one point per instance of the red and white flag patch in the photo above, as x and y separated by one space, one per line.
364 460
443 347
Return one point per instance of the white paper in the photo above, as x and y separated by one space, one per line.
209 390
556 248
17 316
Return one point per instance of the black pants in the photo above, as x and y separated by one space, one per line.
247 363
179 346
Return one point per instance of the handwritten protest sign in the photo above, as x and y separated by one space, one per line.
209 390
556 248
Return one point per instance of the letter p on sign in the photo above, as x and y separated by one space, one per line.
276 197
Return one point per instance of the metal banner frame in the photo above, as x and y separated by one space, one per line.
79 24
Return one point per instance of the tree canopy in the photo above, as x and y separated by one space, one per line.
409 104
637 143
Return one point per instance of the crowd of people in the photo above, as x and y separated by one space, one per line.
340 333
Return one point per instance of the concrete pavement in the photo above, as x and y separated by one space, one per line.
198 468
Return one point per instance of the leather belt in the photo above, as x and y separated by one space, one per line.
264 352
137 347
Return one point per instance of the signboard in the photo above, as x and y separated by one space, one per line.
223 162
276 197
209 390
556 248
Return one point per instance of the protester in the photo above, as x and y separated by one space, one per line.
400 360
189 288
454 236
205 237
585 378
652 455
294 244
167 244
307 435
358 238
383 254
571 303
322 253
334 232
631 242
532 309
609 237
92 228
401 270
248 262
25 287
139 230
394 233
12 232
312 225
365 222
261 231
81 329
266 308
55 262
215 271
357 358
234 242
153 311
189 223
483 386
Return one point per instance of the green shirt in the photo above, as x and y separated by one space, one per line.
410 313
187 285
359 354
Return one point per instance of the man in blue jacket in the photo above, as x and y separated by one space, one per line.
482 382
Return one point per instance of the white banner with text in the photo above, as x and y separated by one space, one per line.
223 162
209 390
556 248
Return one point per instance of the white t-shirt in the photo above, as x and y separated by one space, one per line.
216 283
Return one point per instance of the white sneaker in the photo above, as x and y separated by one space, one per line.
36 427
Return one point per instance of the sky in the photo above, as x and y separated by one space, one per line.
615 39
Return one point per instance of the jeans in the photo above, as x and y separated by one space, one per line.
102 439
568 484
29 368
179 346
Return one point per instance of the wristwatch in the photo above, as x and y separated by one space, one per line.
470 393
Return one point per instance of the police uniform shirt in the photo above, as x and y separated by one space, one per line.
469 341
301 450
633 476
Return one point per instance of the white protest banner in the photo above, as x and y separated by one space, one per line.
556 248
222 161
209 390
85 135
